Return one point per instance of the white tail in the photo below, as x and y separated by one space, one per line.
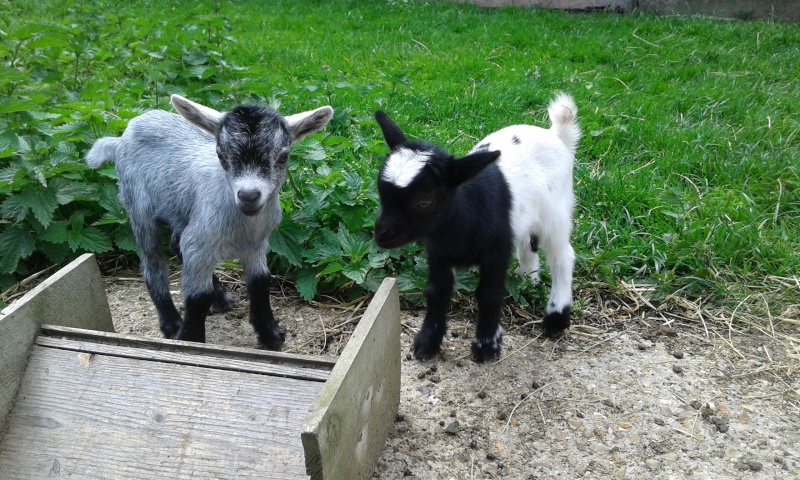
564 116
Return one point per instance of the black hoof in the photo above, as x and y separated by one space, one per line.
223 302
483 350
556 322
273 339
424 349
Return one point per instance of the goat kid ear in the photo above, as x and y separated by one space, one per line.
301 124
391 132
460 170
206 118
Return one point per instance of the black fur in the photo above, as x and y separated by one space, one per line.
270 334
465 222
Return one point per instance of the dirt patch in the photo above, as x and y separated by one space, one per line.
629 392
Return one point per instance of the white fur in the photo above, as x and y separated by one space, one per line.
403 166
538 170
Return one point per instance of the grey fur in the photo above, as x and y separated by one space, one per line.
171 173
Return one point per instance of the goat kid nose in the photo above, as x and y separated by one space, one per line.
248 197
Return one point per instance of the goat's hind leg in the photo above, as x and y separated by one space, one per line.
528 254
561 260
156 276
258 280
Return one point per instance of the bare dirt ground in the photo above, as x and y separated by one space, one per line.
632 391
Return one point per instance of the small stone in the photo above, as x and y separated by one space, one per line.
452 429
755 466
399 417
677 369
659 421
696 404
502 415
409 356
481 394
722 428
407 473
454 334
421 375
491 457
678 355
453 414
536 385
459 364
441 423
652 464
579 414
523 396
435 378
641 346
434 368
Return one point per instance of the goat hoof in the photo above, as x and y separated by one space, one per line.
189 336
555 323
423 350
223 302
274 339
486 350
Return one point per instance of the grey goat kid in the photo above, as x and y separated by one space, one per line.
213 178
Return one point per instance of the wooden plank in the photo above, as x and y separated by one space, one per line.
232 364
165 345
344 433
105 417
74 296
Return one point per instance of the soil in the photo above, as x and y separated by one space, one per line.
632 391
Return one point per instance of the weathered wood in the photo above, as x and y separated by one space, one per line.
344 433
103 417
74 296
192 348
233 364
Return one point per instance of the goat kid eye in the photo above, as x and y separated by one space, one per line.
424 203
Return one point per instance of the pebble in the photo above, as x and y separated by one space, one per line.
641 346
536 385
696 404
408 356
399 417
421 375
435 378
677 369
452 429
481 394
652 464
755 466
659 421
678 355
502 415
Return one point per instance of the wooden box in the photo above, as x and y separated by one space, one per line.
79 401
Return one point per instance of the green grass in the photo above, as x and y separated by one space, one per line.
687 175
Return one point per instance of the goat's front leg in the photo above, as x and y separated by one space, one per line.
490 294
258 279
438 291
198 295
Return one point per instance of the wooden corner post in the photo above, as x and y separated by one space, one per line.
345 431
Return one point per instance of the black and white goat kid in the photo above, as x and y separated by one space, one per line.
514 189
213 178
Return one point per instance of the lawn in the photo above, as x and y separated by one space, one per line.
687 175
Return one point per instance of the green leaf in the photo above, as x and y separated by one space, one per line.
10 106
306 283
57 232
15 244
356 271
90 239
286 245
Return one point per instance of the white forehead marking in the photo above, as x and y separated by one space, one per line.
403 166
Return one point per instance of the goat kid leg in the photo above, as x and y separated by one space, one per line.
490 294
528 254
270 334
198 295
438 291
156 276
223 301
557 313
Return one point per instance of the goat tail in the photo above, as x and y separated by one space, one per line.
104 150
564 116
